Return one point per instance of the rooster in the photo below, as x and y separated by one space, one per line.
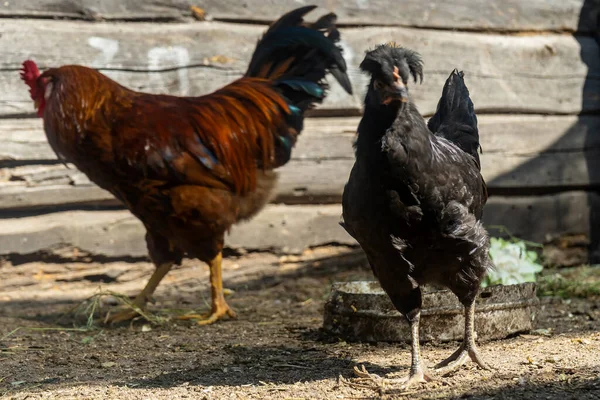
191 167
415 197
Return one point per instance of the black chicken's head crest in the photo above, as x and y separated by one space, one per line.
380 62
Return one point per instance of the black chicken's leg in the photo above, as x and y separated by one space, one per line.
410 306
467 349
418 371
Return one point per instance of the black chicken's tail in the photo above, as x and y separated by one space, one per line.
296 56
455 118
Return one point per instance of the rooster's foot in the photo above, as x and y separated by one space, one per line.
219 310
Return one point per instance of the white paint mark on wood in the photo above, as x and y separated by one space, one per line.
160 58
108 47
362 4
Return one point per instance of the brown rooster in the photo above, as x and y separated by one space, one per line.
191 167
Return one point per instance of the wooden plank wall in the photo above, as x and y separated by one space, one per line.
533 69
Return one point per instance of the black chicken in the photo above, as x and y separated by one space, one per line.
415 197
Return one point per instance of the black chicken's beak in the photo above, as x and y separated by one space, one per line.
395 92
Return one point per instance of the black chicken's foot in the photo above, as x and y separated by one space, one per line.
458 359
467 349
365 379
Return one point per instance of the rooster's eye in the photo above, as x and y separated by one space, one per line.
378 85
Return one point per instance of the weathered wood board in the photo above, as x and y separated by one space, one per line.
93 10
323 181
502 15
24 141
505 73
279 228
539 218
289 229
521 153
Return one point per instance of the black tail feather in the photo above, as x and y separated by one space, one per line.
455 118
294 51
296 56
292 18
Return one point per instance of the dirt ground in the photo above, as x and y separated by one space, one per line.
274 350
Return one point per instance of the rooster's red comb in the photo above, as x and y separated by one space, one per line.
30 73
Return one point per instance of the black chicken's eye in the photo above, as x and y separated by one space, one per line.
378 85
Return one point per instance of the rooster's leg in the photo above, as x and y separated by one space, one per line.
142 298
219 308
467 349
418 371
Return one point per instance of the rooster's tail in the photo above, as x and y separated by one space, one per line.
296 56
455 118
